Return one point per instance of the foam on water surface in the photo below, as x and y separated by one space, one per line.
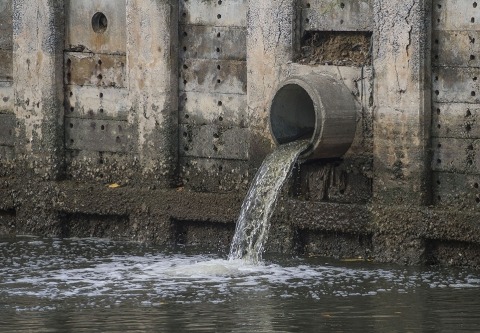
103 272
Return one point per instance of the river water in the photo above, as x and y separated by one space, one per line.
96 285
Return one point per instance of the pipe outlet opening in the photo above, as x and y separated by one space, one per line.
99 22
290 126
315 107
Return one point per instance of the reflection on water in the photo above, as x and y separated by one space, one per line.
90 284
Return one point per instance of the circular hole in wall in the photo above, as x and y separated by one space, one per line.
99 22
286 125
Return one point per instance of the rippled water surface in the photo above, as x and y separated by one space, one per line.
92 285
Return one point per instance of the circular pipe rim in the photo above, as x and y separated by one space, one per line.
317 104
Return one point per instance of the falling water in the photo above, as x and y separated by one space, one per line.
258 206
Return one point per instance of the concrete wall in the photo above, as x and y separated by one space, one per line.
170 101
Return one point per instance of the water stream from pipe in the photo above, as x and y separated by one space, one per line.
253 223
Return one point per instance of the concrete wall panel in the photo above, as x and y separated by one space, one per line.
456 48
96 103
213 42
333 15
201 108
230 175
95 69
454 84
453 190
97 135
213 141
214 13
456 15
456 155
456 120
80 34
212 76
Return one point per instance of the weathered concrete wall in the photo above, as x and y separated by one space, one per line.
455 133
38 92
7 117
213 128
121 101
170 100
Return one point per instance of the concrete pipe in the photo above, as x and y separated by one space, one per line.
316 107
